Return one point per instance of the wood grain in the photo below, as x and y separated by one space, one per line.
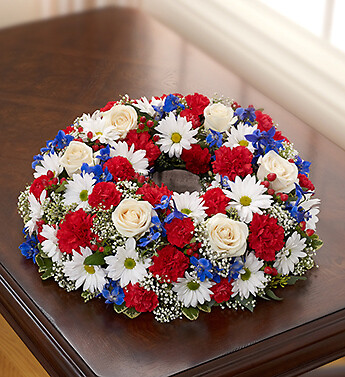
54 71
15 358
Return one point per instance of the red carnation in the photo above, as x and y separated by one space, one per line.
170 263
222 291
233 162
120 168
143 141
190 117
108 106
105 195
216 201
266 236
197 159
153 193
197 103
305 182
265 122
180 231
38 185
39 225
75 232
141 299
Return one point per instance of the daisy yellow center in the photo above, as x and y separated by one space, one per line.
89 269
246 275
244 143
186 211
193 285
245 200
176 137
130 263
83 195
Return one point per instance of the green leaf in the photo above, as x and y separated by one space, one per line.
39 261
43 263
47 274
62 187
291 280
191 313
131 313
95 259
205 308
120 308
272 295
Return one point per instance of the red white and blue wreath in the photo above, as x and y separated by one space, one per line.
94 218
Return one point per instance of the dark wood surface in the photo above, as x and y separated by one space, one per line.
52 72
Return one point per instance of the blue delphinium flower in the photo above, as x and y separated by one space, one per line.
203 268
303 166
113 293
100 175
104 154
164 203
171 103
295 210
263 141
29 247
213 138
62 140
36 160
235 268
156 231
174 214
247 114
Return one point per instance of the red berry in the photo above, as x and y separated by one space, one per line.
63 180
270 191
196 255
274 271
94 247
265 183
50 174
101 249
310 232
268 270
156 138
95 147
271 176
97 141
143 119
189 251
80 129
78 139
55 181
291 160
141 126
89 135
284 197
302 225
150 123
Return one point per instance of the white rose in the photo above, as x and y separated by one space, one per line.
286 171
218 117
122 117
228 237
75 155
132 217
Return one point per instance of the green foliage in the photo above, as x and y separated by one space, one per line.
272 295
131 313
248 303
316 242
191 313
293 279
120 308
62 187
45 265
205 307
96 258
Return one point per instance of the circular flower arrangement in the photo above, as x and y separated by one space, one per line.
95 219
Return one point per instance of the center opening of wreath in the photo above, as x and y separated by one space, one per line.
177 180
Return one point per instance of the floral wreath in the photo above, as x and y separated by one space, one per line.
94 218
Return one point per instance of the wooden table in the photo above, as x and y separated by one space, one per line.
52 72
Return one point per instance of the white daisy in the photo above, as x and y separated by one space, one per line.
92 277
290 254
191 291
36 211
137 158
248 197
144 106
50 245
175 135
250 278
191 205
51 161
100 129
78 190
127 265
237 136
